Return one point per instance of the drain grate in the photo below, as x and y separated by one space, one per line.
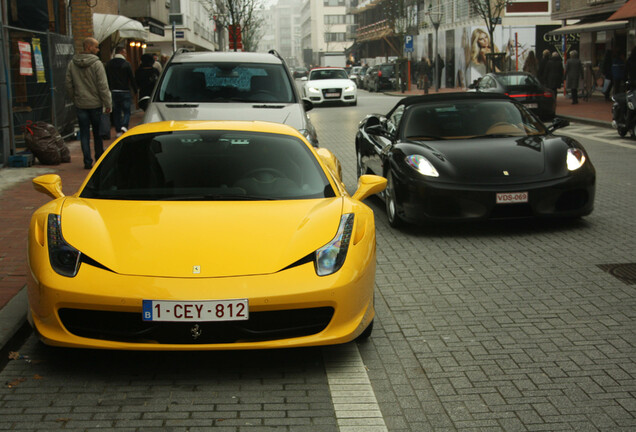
623 272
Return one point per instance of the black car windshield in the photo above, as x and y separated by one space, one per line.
323 74
208 165
518 80
225 82
469 119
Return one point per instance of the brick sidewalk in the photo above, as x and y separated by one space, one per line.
19 201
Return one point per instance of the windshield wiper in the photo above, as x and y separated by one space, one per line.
217 197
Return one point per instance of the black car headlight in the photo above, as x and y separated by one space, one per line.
575 159
309 137
331 256
422 165
64 258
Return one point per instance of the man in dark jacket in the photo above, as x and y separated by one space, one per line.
554 73
87 87
573 75
543 67
121 80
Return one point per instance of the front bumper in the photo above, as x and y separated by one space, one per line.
333 96
291 308
568 197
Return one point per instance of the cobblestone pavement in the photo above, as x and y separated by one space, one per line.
509 326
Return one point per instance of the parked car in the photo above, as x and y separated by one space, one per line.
356 75
330 85
204 235
523 87
300 72
369 77
230 86
467 156
383 79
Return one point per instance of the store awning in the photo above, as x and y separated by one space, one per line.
628 10
105 25
589 27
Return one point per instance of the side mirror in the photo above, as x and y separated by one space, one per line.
377 130
307 104
304 78
49 184
144 102
558 123
369 185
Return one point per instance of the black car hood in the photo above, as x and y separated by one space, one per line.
494 160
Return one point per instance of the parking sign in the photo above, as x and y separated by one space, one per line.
408 43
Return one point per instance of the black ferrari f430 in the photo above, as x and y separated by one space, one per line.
463 156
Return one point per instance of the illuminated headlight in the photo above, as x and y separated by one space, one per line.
331 256
422 165
64 258
350 88
575 159
313 90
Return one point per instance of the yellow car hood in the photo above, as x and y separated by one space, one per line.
199 239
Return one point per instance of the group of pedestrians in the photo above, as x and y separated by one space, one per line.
550 72
94 89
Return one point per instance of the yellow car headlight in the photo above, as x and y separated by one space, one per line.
331 256
64 258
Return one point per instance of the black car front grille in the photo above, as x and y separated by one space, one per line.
572 200
261 326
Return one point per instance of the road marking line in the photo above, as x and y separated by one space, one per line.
607 141
353 398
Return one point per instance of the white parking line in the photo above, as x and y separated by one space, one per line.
353 398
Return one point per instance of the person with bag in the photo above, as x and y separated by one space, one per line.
554 73
121 81
87 87
146 77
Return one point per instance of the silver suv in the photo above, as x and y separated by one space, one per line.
230 86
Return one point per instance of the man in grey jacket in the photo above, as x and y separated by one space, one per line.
87 86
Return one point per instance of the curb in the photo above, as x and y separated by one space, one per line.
13 324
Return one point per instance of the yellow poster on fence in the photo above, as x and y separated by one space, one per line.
39 61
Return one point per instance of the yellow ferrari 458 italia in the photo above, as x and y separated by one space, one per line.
204 236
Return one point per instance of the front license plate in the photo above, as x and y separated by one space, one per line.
532 105
512 197
197 311
332 94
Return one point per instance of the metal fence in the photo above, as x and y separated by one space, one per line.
35 70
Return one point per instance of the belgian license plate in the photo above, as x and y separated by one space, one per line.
196 311
332 94
512 197
532 105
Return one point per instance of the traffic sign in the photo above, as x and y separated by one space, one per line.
408 43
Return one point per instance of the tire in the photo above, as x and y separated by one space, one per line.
621 132
390 201
354 103
366 333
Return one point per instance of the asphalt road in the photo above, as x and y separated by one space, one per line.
508 326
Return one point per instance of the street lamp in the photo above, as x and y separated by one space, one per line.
436 19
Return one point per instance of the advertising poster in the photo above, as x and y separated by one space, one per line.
25 58
39 62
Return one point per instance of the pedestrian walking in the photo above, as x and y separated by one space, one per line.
618 72
531 64
121 80
542 73
573 75
631 69
87 86
554 73
146 76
